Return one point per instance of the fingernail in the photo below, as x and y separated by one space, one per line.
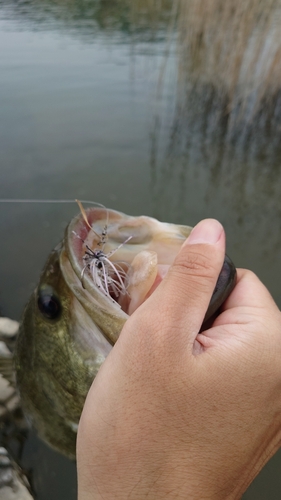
207 231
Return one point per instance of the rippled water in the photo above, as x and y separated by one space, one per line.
90 108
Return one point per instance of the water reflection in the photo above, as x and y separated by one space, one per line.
244 178
145 20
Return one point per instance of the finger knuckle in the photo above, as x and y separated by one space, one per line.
198 264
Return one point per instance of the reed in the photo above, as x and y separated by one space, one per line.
234 48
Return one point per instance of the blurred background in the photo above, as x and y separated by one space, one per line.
166 108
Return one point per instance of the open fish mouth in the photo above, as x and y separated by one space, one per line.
124 258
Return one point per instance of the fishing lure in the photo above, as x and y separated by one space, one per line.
111 278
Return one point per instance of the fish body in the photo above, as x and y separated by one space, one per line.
71 323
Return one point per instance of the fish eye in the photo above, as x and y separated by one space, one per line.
48 303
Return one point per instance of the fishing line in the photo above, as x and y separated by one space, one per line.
34 200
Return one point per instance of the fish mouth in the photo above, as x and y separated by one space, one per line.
120 260
124 258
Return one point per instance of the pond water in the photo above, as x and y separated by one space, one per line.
97 104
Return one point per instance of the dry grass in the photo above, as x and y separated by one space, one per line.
234 46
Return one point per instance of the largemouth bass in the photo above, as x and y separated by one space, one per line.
107 264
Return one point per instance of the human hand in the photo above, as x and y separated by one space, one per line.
177 414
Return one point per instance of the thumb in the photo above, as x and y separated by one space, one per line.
178 306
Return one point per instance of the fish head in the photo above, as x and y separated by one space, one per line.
106 266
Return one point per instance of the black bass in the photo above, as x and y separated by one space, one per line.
107 264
